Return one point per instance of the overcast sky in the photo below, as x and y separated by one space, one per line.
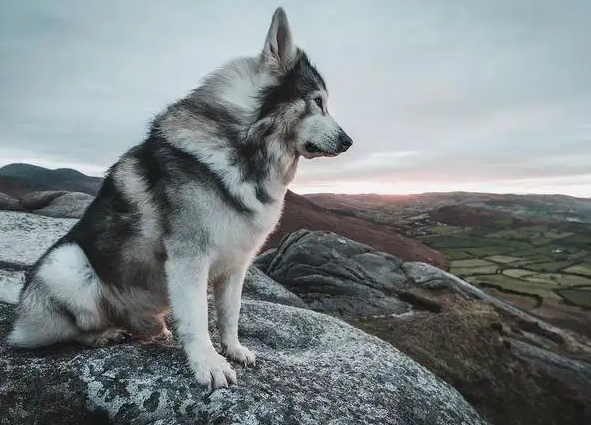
437 95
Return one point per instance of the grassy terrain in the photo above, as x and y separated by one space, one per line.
540 259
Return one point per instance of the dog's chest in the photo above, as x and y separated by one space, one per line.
246 231
239 238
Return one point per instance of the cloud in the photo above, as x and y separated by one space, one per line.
430 91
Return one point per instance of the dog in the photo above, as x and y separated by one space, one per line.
186 209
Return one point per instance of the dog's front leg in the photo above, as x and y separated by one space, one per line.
187 283
228 292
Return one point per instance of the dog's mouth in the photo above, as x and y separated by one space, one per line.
313 151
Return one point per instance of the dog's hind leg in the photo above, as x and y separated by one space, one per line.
187 278
228 293
62 302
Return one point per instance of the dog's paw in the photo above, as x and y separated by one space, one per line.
213 370
240 353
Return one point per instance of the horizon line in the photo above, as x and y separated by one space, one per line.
302 189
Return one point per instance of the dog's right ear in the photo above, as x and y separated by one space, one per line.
279 48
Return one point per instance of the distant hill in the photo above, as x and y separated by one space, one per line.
392 207
19 179
467 216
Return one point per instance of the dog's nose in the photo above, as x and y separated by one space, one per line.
345 141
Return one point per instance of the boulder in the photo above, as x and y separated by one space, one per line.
25 236
8 203
40 198
68 205
259 286
312 367
336 275
57 203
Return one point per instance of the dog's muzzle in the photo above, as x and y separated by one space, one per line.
343 142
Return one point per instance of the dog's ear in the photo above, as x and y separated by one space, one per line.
279 47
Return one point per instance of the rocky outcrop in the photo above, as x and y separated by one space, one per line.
333 275
336 275
8 203
68 205
40 199
57 203
311 369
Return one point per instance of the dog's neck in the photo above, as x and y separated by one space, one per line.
253 162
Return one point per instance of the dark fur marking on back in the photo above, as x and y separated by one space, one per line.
178 164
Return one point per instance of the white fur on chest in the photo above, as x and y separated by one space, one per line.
237 239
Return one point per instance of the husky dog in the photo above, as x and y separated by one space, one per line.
188 207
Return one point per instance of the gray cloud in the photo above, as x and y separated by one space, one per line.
432 92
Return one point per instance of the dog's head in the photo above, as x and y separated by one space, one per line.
297 100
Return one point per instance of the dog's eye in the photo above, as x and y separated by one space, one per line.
319 102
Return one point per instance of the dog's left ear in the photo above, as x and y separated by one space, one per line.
279 47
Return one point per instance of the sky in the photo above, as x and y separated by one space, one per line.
437 95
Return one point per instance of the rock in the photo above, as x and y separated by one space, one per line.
68 205
40 199
427 276
339 276
10 284
560 367
24 236
8 203
311 368
56 203
262 260
259 286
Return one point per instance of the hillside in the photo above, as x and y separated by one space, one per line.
534 206
301 213
19 179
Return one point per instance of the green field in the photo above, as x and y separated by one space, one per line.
580 296
581 269
538 260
